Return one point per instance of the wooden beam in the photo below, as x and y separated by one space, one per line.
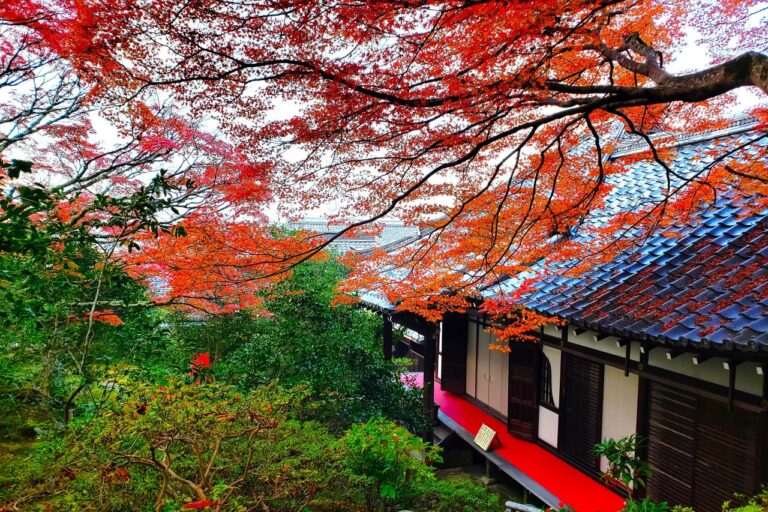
673 353
628 357
645 354
387 337
731 365
731 383
699 359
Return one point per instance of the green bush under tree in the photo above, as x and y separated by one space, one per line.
199 445
304 339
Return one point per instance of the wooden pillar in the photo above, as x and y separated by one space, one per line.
642 427
430 353
627 357
763 440
387 337
731 382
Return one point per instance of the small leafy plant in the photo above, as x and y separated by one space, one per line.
758 503
625 467
389 457
394 468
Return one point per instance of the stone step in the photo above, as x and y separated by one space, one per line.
440 433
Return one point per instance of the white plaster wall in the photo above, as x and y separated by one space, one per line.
620 395
608 345
748 380
551 330
555 357
712 371
709 371
548 421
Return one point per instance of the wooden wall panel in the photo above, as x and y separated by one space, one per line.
581 412
671 444
699 452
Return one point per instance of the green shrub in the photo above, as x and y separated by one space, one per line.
758 503
335 350
161 447
647 505
454 496
625 467
395 469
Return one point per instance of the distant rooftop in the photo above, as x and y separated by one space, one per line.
391 233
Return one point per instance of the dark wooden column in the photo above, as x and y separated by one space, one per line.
763 440
387 336
430 353
642 426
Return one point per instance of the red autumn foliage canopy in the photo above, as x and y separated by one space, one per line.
458 116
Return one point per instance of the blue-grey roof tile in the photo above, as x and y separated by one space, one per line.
760 325
700 282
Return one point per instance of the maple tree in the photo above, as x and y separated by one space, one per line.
458 116
84 182
117 175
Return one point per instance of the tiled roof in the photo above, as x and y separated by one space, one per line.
705 283
391 233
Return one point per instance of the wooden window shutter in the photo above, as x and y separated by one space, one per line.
699 452
671 444
581 412
726 455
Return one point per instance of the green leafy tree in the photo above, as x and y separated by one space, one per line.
305 339
72 319
72 325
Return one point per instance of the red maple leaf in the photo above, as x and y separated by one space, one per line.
200 504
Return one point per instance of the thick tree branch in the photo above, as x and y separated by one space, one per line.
749 69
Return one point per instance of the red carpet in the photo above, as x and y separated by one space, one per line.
573 487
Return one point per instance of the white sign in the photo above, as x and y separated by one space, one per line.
485 437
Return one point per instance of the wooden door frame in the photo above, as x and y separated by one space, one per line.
455 343
536 351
